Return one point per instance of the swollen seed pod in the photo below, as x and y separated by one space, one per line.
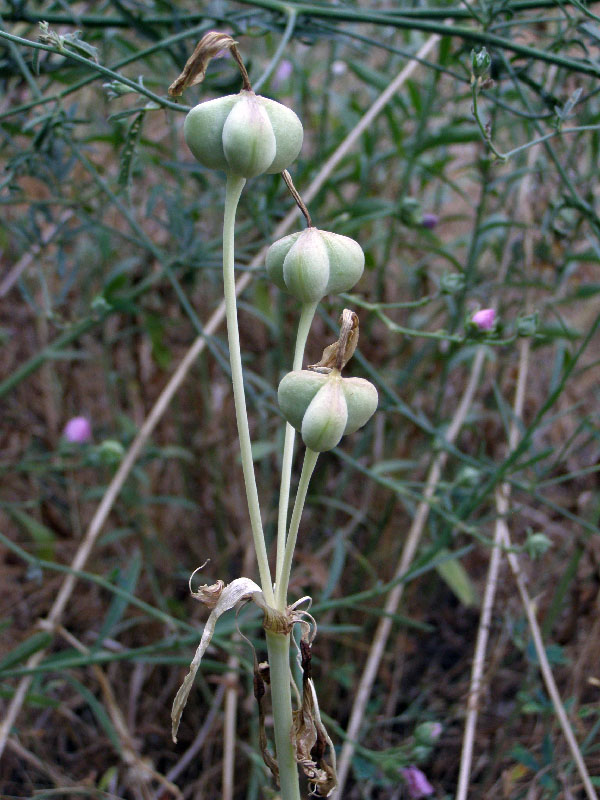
243 134
324 420
312 263
325 407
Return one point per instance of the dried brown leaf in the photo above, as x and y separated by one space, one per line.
229 596
194 71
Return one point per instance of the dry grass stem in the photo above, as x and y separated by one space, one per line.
477 671
408 552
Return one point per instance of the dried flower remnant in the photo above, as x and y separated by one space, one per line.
210 46
78 430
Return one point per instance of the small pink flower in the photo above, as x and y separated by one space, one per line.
484 319
436 730
429 220
417 784
78 430
282 73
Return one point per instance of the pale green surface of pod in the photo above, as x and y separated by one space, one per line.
203 131
276 256
296 390
306 267
243 134
288 131
248 138
361 399
325 419
345 264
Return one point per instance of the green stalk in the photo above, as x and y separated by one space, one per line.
287 35
306 317
278 647
310 459
233 191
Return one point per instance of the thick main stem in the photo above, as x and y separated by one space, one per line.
233 191
278 647
306 317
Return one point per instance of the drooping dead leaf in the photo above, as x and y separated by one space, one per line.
259 694
309 736
194 71
228 596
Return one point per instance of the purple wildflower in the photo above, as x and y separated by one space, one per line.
78 430
429 220
417 784
282 73
484 319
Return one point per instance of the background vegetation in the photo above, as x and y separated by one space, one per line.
110 253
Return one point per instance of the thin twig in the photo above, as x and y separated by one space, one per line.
229 727
141 770
410 547
487 605
31 255
195 747
58 778
164 399
545 668
231 703
524 211
287 178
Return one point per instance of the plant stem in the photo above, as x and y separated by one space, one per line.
486 136
233 191
278 647
310 459
306 317
92 65
287 35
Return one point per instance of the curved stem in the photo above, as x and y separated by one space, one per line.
287 35
310 459
306 317
486 135
233 191
278 647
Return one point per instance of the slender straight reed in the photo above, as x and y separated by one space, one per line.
232 195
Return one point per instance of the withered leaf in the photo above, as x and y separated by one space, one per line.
194 71
229 596
309 735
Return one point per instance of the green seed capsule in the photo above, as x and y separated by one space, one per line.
323 407
313 263
243 134
324 421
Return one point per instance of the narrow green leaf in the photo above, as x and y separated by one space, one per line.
43 537
22 651
457 579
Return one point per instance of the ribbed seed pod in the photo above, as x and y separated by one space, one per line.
323 407
312 263
243 134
